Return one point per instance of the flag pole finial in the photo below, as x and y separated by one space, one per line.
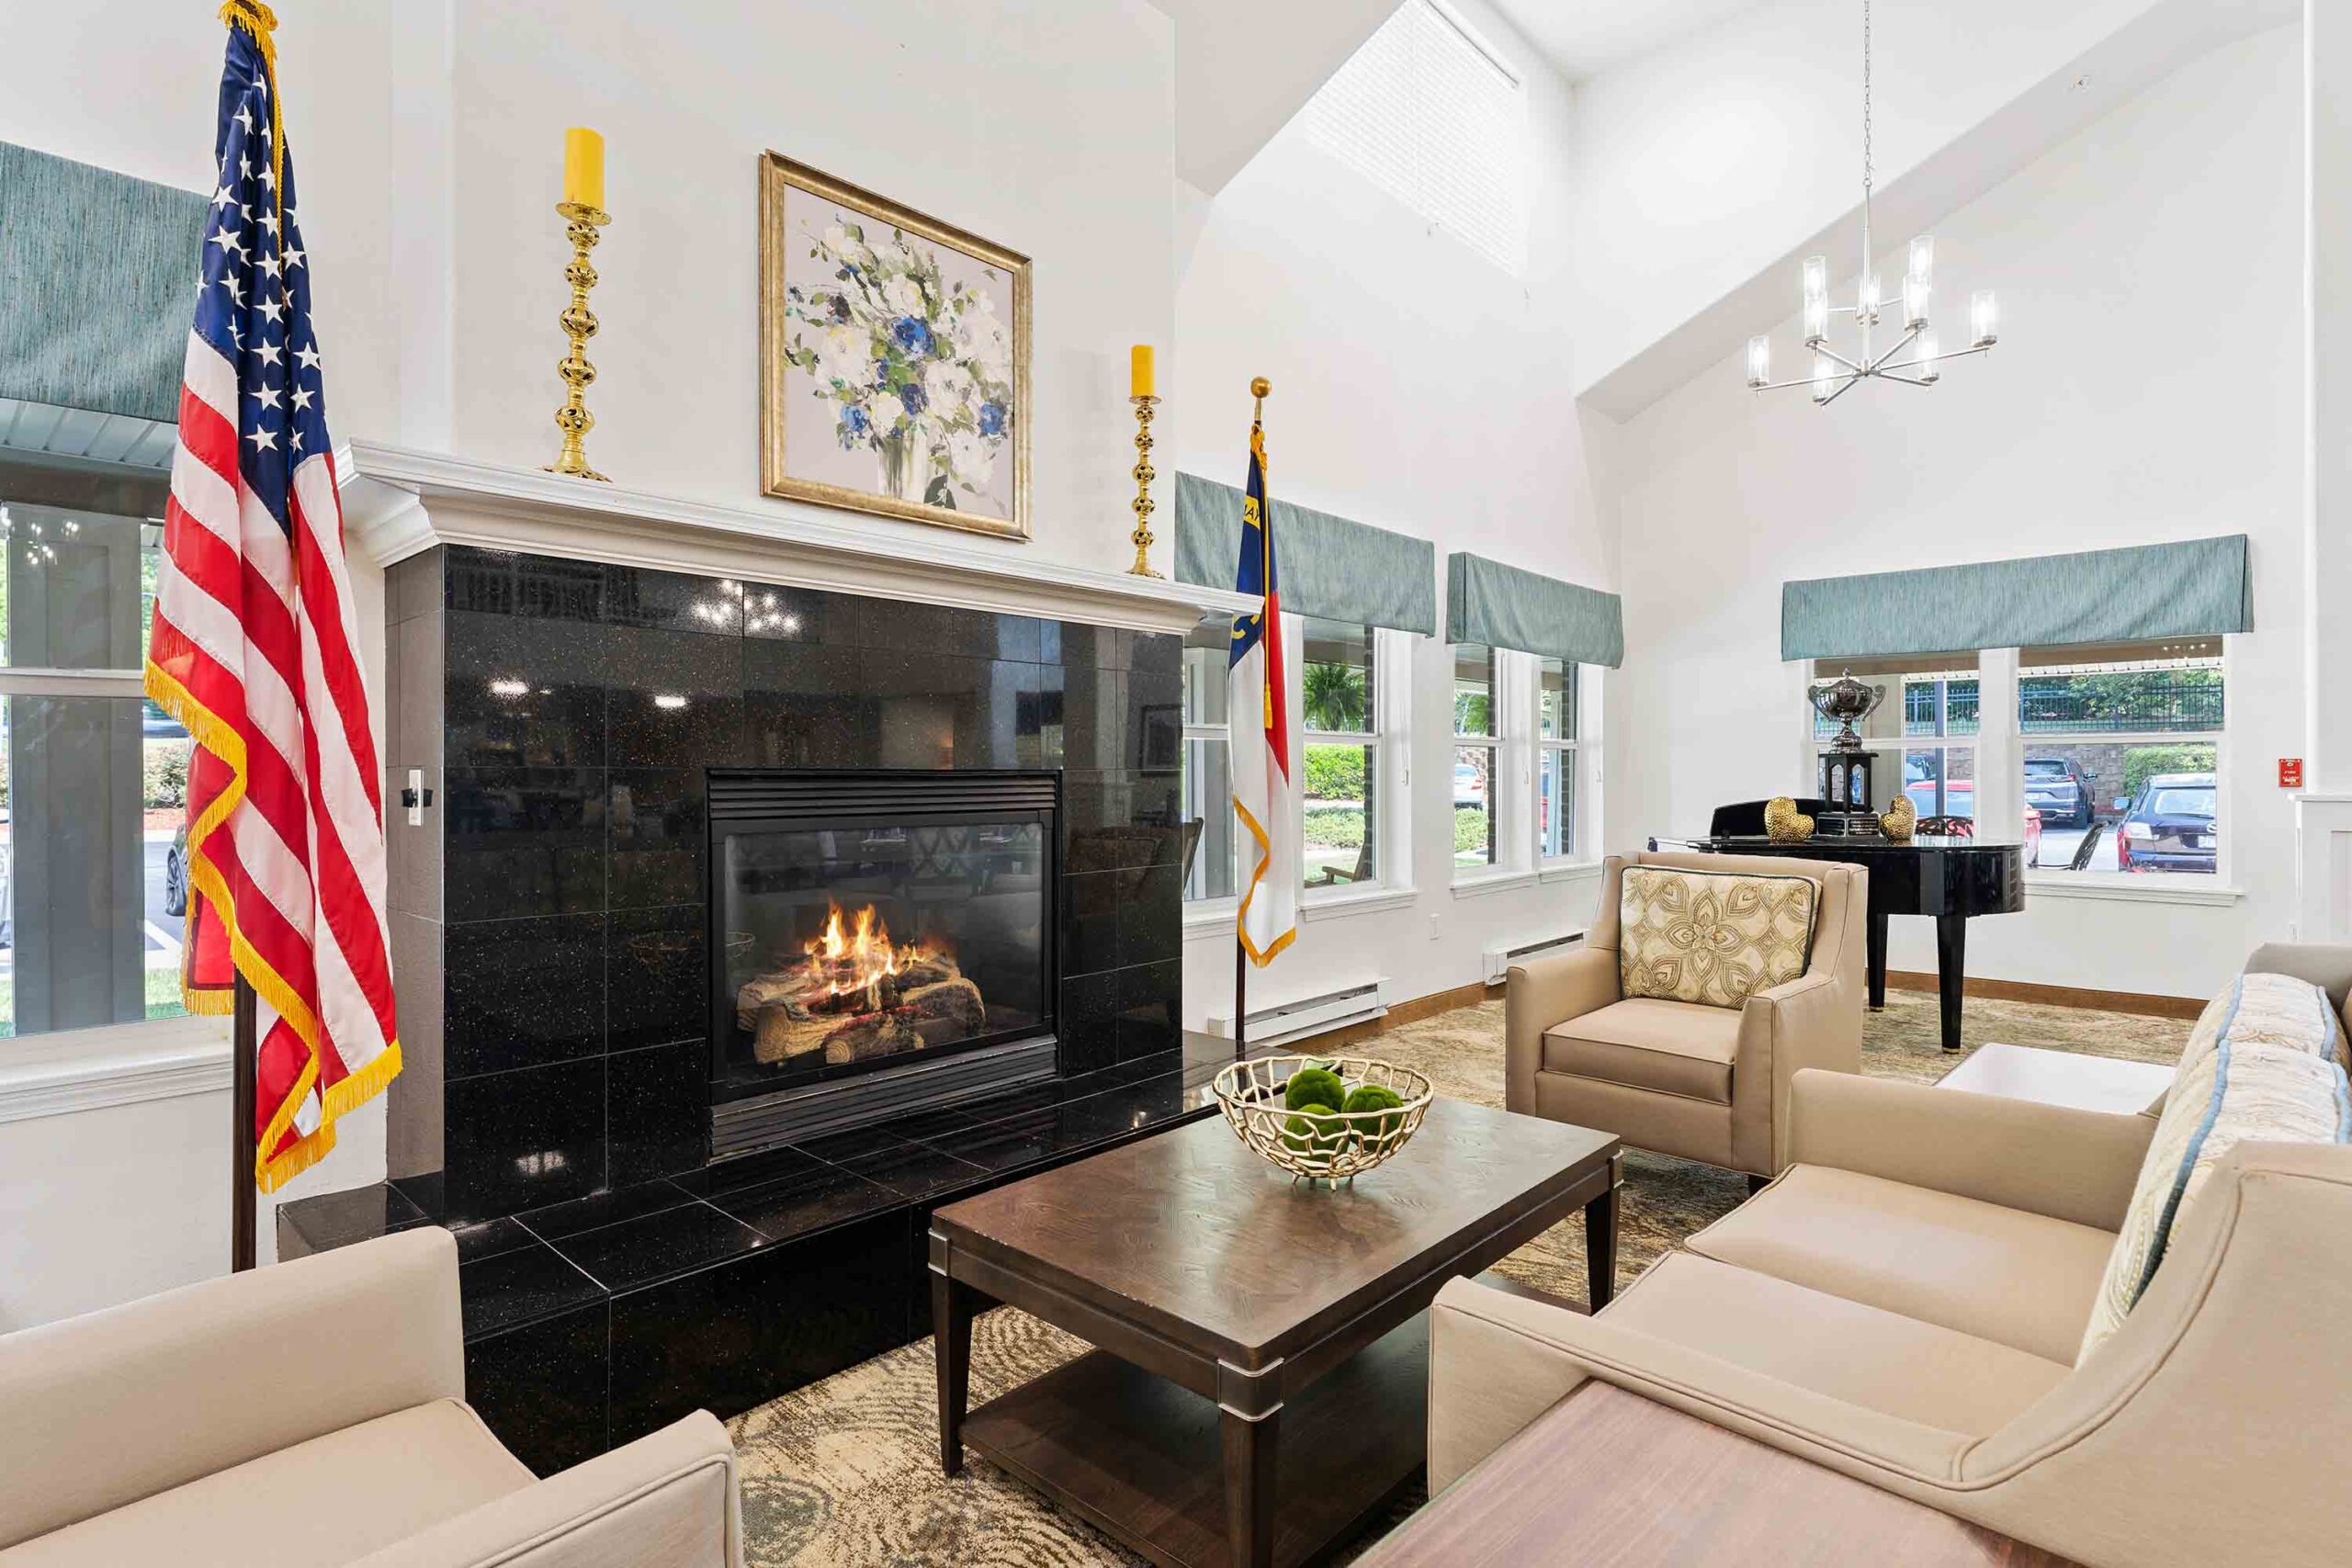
1260 388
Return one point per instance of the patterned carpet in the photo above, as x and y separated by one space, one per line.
845 1474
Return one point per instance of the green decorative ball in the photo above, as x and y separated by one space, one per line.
1315 1086
1311 1137
1375 1096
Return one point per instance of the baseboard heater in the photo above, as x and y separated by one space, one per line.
1287 1021
1500 959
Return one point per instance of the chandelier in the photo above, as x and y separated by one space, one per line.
1921 361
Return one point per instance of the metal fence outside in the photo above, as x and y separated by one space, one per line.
2118 705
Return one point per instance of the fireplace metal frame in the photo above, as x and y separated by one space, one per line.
751 800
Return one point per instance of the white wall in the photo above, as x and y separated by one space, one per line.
1418 387
2148 386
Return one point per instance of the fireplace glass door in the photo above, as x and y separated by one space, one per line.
879 931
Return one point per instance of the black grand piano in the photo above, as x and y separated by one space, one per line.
1951 879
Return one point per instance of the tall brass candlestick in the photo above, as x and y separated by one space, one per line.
579 324
1143 476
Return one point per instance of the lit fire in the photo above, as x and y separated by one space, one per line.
861 959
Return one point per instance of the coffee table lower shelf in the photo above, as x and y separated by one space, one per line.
1140 1457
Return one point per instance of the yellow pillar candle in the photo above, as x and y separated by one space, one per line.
583 168
1139 370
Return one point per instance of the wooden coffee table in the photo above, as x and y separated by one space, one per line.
1261 1387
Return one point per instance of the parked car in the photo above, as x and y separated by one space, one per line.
2169 826
2032 836
2060 790
154 724
175 875
1469 789
1960 795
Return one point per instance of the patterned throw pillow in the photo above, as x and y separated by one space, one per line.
2263 1065
1711 937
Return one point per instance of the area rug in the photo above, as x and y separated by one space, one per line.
845 1474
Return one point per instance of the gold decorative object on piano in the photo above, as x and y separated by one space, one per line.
1898 820
1139 383
584 207
1783 823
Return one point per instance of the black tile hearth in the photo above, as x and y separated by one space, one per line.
523 993
504 582
491 1237
659 1247
338 1219
910 1169
559 1221
660 825
655 971
1151 1009
1089 1024
816 1197
524 841
520 1285
522 1139
541 1387
727 1338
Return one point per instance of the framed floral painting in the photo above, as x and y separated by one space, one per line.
895 349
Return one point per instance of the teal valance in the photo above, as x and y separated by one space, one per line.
1331 566
2189 588
97 278
1509 606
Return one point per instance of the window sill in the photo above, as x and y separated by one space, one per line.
1209 914
1483 883
123 1063
1334 906
2128 888
1570 869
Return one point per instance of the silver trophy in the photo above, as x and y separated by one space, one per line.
1849 702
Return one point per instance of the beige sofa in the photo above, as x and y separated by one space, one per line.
313 1413
1704 1083
1906 1301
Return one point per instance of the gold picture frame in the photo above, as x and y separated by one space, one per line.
833 360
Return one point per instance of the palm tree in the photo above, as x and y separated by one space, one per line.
1334 695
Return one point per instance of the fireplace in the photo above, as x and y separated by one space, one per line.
880 941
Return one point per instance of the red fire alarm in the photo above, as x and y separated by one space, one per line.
2290 772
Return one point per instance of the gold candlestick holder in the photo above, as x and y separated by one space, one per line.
579 324
1143 476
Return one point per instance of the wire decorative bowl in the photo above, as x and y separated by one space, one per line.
1321 1146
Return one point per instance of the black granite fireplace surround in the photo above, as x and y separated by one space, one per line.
550 928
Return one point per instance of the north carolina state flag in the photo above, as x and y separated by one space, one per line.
1265 794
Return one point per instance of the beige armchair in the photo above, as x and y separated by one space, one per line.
1704 1083
313 1413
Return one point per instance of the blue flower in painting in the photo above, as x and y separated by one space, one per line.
913 333
854 427
992 419
915 399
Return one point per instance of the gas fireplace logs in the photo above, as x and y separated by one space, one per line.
857 997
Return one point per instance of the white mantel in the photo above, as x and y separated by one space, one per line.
397 503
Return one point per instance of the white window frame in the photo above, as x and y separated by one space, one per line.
2218 880
1222 903
1579 757
1510 707
1387 769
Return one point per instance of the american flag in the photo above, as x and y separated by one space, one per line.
255 650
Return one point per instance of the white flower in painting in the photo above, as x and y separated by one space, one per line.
904 295
842 356
948 386
970 458
886 411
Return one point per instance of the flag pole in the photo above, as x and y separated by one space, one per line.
243 1156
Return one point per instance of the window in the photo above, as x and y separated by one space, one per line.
1428 113
1921 735
1208 753
1556 733
1476 776
2121 755
93 778
1339 714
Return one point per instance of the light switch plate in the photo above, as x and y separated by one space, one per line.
415 798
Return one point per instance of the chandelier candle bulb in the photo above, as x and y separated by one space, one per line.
1930 371
1984 320
1825 377
1866 297
1760 361
1923 259
1914 301
1817 299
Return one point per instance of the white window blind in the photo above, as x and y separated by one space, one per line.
1425 112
